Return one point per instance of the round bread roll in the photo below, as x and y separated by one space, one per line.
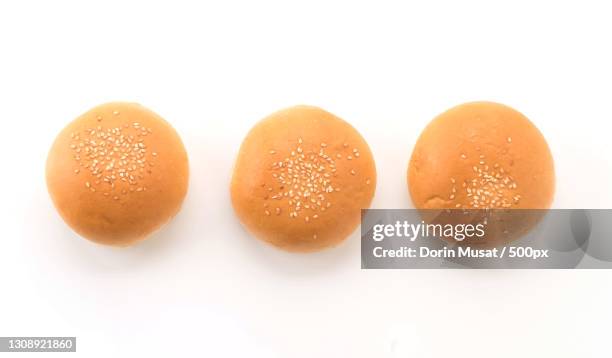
301 178
117 173
483 155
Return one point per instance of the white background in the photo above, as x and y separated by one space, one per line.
202 286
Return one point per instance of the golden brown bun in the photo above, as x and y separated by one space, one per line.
481 155
301 178
117 173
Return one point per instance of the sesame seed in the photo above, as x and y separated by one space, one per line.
463 156
509 139
116 113
491 188
304 180
353 172
112 155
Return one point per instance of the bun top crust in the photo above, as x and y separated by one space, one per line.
481 155
301 177
117 173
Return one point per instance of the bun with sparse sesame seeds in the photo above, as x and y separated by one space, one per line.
301 178
117 173
484 155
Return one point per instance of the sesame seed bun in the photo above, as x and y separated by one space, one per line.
481 155
301 178
117 173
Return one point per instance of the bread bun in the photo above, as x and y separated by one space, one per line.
117 173
301 178
482 155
